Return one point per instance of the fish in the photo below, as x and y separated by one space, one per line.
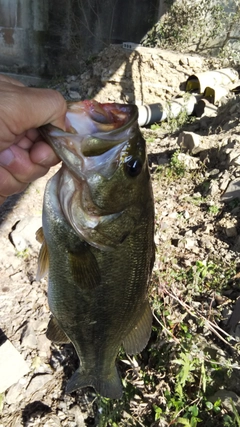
97 240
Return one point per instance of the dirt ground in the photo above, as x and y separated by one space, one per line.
195 221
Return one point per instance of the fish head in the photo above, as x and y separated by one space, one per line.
104 186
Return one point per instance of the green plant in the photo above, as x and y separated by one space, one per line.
213 209
176 166
199 26
23 254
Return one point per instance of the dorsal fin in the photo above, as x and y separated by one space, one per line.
43 258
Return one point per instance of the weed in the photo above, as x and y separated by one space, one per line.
150 139
176 166
236 414
155 126
213 209
23 254
184 27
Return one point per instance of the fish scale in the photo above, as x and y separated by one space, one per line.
99 248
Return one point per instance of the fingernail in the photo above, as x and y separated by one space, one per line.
6 157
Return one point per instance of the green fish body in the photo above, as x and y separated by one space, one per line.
98 225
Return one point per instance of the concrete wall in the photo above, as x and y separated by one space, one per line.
22 27
47 37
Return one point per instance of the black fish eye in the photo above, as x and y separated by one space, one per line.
133 167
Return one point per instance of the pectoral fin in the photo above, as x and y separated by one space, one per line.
55 333
139 336
84 268
43 258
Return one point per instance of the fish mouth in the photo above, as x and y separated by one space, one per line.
95 136
95 144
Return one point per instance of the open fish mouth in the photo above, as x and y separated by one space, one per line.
95 136
102 150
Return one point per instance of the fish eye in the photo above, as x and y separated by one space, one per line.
133 167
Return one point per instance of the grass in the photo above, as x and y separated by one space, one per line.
172 381
189 356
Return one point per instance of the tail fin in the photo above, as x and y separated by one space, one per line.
107 386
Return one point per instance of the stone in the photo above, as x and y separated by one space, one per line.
224 181
190 142
79 418
16 393
28 337
232 191
53 422
234 157
37 383
190 163
226 397
71 79
12 366
23 235
213 188
231 231
74 94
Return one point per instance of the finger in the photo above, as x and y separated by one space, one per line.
8 79
18 163
9 184
42 154
25 143
23 108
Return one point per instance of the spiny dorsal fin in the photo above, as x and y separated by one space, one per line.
43 258
55 333
139 336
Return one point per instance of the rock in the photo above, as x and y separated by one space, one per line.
224 180
74 94
190 163
73 86
213 188
231 231
190 244
37 383
71 79
28 337
44 346
79 418
234 157
24 234
53 422
189 141
16 393
12 366
232 191
226 396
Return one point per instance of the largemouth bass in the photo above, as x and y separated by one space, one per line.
97 240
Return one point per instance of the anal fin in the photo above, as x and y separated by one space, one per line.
139 336
55 333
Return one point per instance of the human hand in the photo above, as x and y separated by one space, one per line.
24 155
